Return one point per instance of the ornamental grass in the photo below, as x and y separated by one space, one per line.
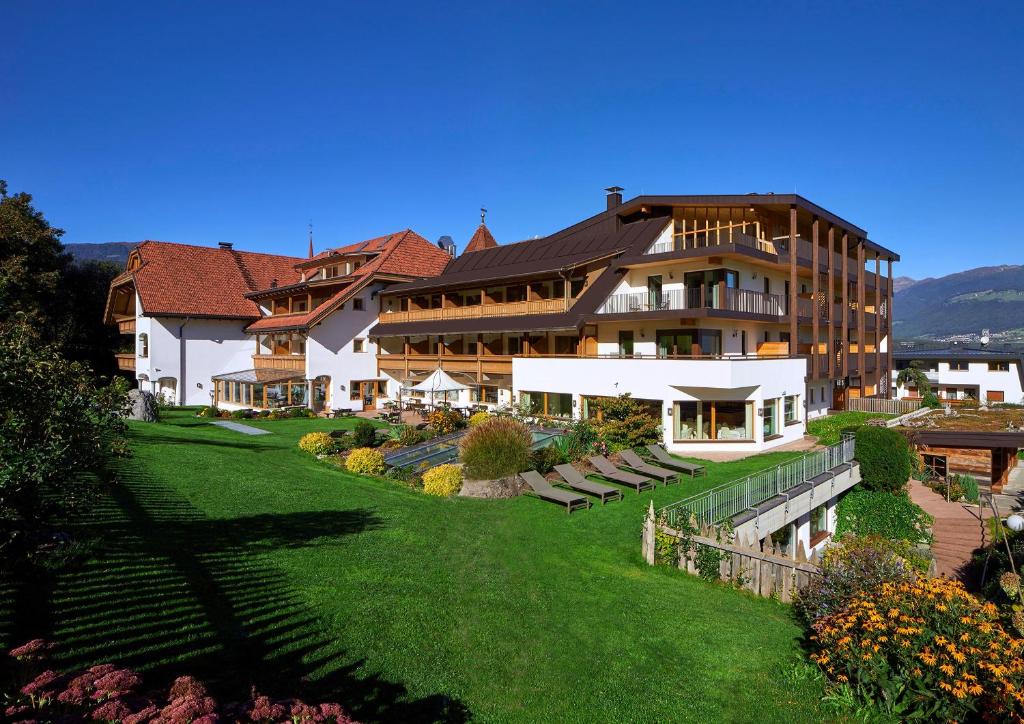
924 649
496 448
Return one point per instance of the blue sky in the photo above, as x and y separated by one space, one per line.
203 122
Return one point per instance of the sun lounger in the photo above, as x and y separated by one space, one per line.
635 462
575 480
608 471
543 490
662 457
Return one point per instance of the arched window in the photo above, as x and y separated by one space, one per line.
143 345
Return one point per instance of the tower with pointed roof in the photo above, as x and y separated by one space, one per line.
482 237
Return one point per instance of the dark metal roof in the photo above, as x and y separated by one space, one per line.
963 438
595 238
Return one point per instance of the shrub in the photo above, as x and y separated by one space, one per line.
889 515
579 441
318 443
969 488
477 417
496 448
445 420
365 461
208 411
544 459
108 693
885 458
924 649
406 435
364 434
858 564
626 423
241 414
929 399
405 475
444 480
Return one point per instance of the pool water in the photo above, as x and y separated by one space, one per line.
446 449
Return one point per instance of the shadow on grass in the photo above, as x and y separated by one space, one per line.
245 442
174 592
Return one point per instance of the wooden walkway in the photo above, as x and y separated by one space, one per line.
957 531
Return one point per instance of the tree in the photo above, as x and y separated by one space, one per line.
885 459
58 428
914 377
627 423
32 263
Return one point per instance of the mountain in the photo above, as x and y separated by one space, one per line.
113 251
990 297
901 283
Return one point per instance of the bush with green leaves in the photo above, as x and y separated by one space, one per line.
885 458
929 399
496 448
318 443
626 423
241 414
208 411
364 434
579 441
477 417
544 459
889 515
58 426
445 420
406 435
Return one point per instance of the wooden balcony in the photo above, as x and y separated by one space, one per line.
126 326
403 364
295 362
507 309
126 360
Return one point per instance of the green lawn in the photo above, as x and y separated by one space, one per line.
244 561
828 429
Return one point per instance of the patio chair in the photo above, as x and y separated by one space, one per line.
575 480
543 490
607 470
635 462
662 457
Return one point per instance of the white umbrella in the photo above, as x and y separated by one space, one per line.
438 381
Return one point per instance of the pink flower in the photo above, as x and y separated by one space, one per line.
185 686
112 710
33 650
116 683
142 716
186 709
39 685
264 708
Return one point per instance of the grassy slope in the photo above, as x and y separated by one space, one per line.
828 429
245 561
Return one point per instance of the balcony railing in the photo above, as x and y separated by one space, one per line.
716 297
296 362
506 309
744 234
126 326
126 361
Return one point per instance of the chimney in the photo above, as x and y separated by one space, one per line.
225 245
446 244
614 196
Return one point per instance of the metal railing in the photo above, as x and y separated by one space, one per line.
707 297
729 499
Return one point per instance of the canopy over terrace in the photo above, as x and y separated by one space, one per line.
437 382
261 388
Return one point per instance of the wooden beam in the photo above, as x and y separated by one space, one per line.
793 312
829 332
845 271
860 315
816 303
878 323
888 327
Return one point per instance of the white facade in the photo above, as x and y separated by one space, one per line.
670 381
183 354
976 382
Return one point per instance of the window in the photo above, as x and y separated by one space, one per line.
576 286
515 345
299 304
768 420
958 366
812 395
790 409
934 465
713 420
819 524
357 304
995 396
626 343
566 345
485 393
998 366
143 345
551 404
358 345
687 342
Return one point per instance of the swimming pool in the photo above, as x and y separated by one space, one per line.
446 449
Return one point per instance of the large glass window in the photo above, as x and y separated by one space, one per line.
791 409
626 343
687 342
819 524
713 420
551 404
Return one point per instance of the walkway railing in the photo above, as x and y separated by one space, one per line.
729 499
879 404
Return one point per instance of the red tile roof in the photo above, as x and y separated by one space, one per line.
201 281
482 239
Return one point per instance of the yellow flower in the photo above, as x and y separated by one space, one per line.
946 669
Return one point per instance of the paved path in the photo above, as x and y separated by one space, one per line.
239 427
1012 497
805 444
957 530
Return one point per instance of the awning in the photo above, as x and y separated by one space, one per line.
261 376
